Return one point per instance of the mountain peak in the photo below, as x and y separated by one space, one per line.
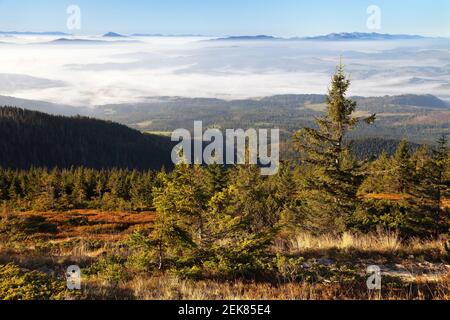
113 35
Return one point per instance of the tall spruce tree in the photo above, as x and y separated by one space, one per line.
332 180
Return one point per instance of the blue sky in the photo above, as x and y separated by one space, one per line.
228 17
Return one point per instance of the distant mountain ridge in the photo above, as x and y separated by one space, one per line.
343 36
62 41
340 36
114 35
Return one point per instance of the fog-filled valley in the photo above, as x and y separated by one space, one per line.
96 70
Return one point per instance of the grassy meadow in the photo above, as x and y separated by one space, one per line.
330 267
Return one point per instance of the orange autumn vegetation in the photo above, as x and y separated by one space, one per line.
93 224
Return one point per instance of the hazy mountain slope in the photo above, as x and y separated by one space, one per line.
363 36
42 106
424 101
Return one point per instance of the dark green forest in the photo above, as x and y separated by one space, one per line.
34 139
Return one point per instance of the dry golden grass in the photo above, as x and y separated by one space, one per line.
381 247
100 234
383 241
166 287
157 286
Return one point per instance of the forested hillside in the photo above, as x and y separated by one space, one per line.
30 138
417 118
371 148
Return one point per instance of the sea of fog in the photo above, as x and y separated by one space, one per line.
103 70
